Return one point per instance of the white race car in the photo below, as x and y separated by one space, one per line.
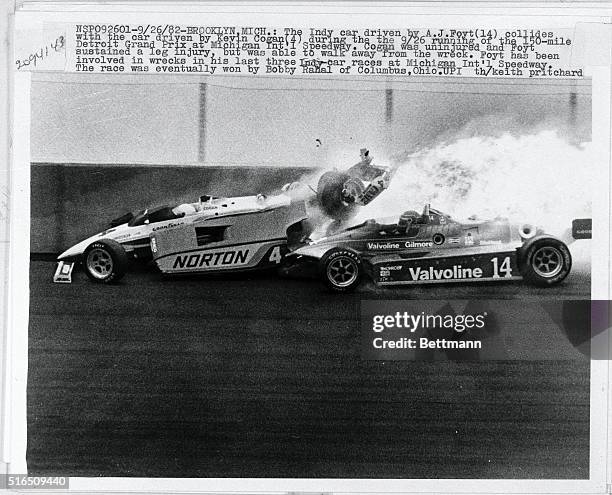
218 234
221 233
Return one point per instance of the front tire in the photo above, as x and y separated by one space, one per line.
546 262
341 270
105 261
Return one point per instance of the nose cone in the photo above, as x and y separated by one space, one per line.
314 250
76 250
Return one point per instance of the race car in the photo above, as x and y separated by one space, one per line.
260 225
432 247
340 193
256 239
264 224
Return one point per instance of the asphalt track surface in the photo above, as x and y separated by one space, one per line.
259 377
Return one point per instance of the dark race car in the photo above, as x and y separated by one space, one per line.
433 248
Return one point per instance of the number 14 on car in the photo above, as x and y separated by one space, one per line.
501 271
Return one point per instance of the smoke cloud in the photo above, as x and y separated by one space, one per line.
538 177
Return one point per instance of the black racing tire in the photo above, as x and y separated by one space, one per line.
545 261
341 269
329 195
105 261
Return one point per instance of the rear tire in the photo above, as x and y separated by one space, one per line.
105 261
341 270
545 261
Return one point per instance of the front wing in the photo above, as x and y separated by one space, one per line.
475 267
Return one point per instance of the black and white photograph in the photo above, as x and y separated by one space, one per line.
200 250
315 248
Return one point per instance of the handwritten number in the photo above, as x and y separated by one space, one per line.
41 53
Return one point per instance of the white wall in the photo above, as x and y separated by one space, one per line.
154 120
113 123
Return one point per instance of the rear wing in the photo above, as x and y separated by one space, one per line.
582 228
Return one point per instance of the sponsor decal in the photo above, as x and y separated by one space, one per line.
398 245
385 271
168 226
453 240
210 207
383 245
452 273
219 258
418 244
495 242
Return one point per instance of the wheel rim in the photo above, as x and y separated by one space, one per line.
342 271
99 263
547 262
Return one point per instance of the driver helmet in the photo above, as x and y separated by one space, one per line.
407 218
184 209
